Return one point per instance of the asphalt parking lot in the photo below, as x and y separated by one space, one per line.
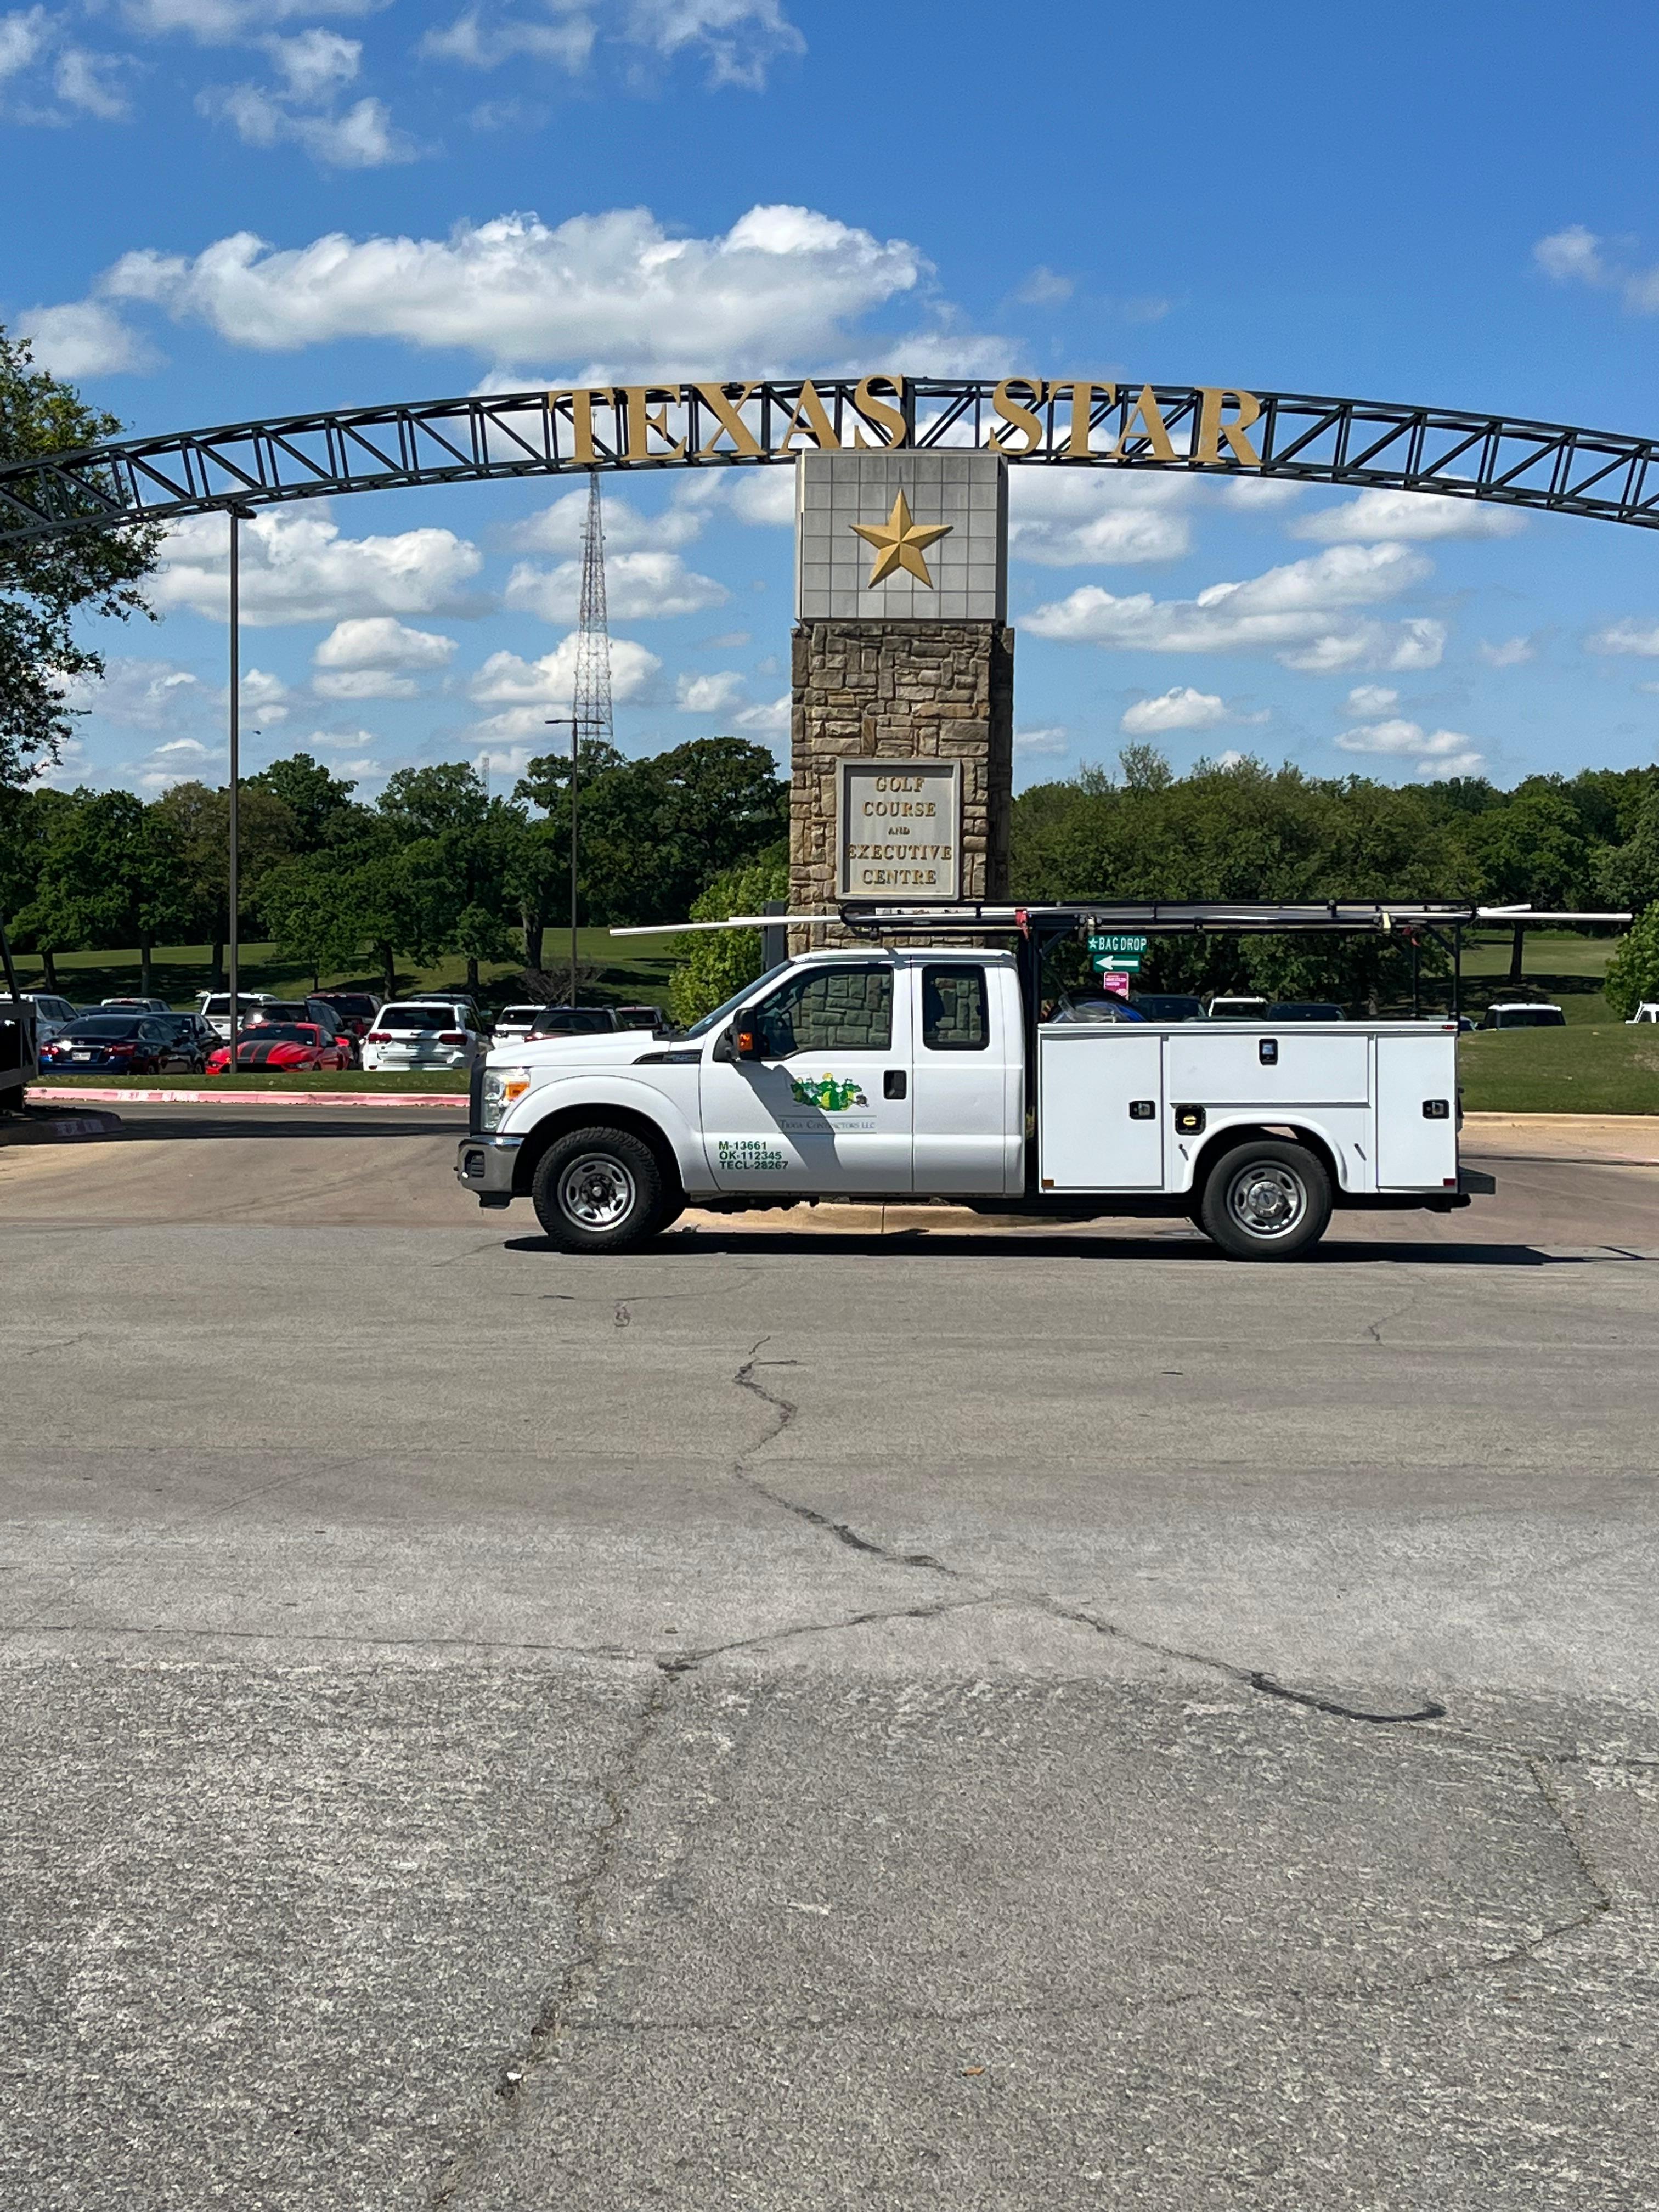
857 1713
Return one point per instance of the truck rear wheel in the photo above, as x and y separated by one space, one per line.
1266 1200
600 1190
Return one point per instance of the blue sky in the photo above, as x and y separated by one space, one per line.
239 208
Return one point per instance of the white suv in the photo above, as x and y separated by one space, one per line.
52 1015
425 1034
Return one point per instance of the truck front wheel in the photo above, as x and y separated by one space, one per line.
600 1190
1266 1200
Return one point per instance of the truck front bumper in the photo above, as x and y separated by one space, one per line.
484 1166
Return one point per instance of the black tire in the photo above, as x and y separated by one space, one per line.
1266 1199
601 1190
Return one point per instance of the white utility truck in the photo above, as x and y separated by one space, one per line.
923 1072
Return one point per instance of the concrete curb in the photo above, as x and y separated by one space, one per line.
446 1098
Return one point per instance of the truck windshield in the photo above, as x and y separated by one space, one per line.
730 1005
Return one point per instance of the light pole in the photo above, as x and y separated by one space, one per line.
557 722
238 516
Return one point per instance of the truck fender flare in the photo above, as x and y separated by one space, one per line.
1232 1134
622 1105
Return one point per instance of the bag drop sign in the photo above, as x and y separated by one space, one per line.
899 834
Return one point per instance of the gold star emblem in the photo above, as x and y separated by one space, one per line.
898 542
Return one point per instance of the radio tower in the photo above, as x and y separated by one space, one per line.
592 704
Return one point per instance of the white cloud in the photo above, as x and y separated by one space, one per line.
615 290
1044 287
1438 754
1576 255
88 81
524 690
1300 610
315 63
1509 654
223 22
297 568
475 42
377 641
1628 636
639 587
83 338
24 35
737 40
1572 253
1181 708
768 721
1417 515
558 528
713 694
144 695
1052 738
339 741
365 684
264 697
1370 700
363 137
1231 758
185 749
1063 516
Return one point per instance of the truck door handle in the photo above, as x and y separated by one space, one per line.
893 1083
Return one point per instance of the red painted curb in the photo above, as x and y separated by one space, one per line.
449 1098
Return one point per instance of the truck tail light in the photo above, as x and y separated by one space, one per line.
452 1037
378 1037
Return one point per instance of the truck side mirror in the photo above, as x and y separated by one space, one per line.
747 1040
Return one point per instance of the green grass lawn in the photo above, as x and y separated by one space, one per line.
619 970
1600 1068
300 1079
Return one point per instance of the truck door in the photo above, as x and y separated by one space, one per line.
963 1138
828 1108
1416 1112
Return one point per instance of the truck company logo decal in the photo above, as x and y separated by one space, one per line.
833 1094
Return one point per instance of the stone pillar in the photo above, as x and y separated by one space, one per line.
901 650
899 691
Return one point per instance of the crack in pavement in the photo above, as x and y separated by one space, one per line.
785 1410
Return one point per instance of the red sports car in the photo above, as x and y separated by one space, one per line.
282 1047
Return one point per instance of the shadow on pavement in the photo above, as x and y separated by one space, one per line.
919 1245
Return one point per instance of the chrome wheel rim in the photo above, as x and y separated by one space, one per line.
596 1192
1266 1200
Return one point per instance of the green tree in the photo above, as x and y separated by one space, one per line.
318 804
1532 851
47 583
1633 971
1628 874
198 821
711 967
110 877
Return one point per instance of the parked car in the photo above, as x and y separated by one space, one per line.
425 1034
1166 1006
1524 1014
640 1018
284 1045
574 1021
1305 1010
138 1006
514 1023
1647 1012
354 1010
316 1010
52 1015
190 1030
1096 1010
118 1044
214 1006
1237 1010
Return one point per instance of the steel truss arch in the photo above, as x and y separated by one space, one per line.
1297 437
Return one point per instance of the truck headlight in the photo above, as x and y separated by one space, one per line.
503 1087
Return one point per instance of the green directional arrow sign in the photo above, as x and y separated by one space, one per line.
1116 963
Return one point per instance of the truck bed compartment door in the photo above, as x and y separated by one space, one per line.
1100 1119
1416 1149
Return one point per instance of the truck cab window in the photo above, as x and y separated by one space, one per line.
955 1016
840 1009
